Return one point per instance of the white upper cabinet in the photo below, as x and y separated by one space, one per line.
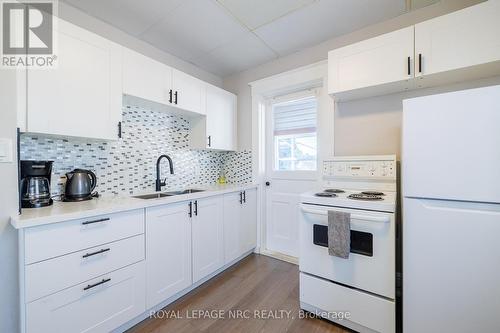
463 45
383 60
82 96
461 39
221 119
146 78
188 92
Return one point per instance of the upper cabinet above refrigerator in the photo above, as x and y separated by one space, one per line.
385 61
464 39
456 47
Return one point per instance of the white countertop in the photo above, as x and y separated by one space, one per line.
64 211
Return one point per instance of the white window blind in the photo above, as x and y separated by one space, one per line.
295 117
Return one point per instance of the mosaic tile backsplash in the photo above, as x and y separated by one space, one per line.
129 165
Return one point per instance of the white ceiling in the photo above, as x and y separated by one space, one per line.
229 36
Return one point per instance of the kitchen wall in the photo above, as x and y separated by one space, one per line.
9 304
371 126
129 165
82 19
9 297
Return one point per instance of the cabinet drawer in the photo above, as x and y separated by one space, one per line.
377 313
118 298
57 239
49 276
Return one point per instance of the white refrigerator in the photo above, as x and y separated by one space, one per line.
451 212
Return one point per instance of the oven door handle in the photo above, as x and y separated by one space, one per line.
383 219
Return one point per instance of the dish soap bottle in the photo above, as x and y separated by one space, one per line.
222 178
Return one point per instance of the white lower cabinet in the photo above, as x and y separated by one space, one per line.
168 251
102 272
97 305
208 243
232 218
248 231
240 223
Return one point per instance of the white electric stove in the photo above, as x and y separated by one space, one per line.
358 292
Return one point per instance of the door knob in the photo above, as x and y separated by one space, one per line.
268 183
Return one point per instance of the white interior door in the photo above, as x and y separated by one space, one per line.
291 167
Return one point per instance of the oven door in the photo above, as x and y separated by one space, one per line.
371 263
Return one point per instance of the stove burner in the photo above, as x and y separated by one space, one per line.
363 196
373 193
334 190
325 194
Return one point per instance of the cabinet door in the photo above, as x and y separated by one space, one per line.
248 231
208 242
232 226
168 251
82 96
98 305
190 92
146 78
382 60
221 119
464 38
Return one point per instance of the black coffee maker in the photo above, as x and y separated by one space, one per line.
35 184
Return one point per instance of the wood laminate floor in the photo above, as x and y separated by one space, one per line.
264 289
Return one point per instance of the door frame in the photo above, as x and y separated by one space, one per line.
299 79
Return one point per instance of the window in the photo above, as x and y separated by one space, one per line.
295 139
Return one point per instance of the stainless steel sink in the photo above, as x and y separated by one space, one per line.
187 191
167 194
153 196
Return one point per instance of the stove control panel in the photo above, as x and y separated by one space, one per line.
363 169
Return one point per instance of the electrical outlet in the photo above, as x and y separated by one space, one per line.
5 151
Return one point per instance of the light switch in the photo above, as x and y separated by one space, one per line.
5 151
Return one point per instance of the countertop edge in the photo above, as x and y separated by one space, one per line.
127 204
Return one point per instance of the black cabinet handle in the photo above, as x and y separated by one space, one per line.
170 96
209 140
95 253
420 62
90 286
119 130
409 69
245 196
175 95
190 209
241 198
96 221
196 207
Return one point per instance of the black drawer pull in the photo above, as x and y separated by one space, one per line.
241 198
244 196
190 214
95 253
90 286
420 62
96 221
175 95
409 64
170 96
196 207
